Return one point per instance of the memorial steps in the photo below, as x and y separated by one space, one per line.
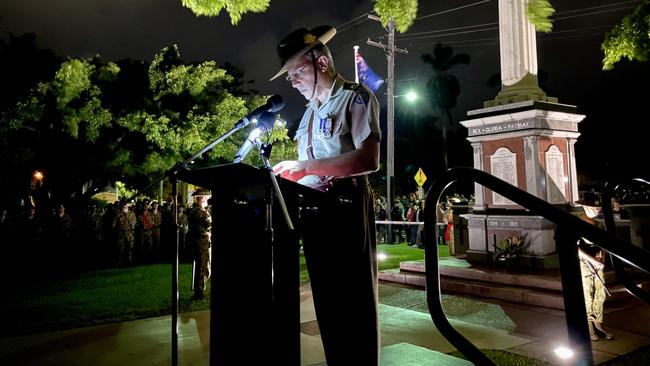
522 286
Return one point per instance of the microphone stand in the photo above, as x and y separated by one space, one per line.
265 152
173 176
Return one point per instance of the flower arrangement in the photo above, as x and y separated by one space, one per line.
508 248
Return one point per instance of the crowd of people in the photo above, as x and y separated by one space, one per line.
61 240
143 232
409 210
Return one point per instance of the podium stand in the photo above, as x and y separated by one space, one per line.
255 299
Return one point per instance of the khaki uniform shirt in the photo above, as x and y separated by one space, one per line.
349 116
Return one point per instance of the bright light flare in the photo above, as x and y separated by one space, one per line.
411 96
38 175
563 352
382 257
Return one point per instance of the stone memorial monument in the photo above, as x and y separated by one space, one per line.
525 138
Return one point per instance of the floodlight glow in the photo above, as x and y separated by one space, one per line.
411 96
563 352
38 175
381 257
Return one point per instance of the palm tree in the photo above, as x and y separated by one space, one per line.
444 88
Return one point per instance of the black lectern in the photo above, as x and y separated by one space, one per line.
255 318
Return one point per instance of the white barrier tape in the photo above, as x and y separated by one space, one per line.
400 222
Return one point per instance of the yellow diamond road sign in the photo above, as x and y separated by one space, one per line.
420 178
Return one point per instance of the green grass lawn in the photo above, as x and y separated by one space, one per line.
94 298
122 294
402 252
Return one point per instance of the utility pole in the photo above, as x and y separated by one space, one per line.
390 109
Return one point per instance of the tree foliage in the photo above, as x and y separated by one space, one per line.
539 13
402 11
130 120
234 8
630 39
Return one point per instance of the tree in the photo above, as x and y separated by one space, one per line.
403 12
630 39
131 121
234 8
539 13
443 88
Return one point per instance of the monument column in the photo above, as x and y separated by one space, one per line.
523 137
518 51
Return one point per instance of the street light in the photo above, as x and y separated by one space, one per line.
37 179
411 96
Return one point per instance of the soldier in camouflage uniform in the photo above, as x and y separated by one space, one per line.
156 221
198 240
124 226
591 267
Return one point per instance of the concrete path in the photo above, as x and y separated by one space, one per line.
407 335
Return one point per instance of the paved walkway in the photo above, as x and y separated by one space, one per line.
407 334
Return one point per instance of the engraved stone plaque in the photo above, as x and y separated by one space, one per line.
555 178
503 164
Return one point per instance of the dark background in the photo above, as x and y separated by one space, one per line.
569 61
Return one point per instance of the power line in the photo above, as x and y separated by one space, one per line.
542 37
593 13
450 10
364 15
576 30
597 7
403 36
337 49
577 36
452 33
456 42
339 31
447 29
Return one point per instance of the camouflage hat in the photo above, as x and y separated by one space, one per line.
201 192
299 42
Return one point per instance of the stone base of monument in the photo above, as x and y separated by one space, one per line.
486 230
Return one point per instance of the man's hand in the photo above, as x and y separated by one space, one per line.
290 169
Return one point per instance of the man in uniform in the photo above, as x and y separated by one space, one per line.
338 145
198 240
591 267
124 227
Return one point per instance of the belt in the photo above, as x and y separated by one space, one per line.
345 184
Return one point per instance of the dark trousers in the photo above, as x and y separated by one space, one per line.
340 249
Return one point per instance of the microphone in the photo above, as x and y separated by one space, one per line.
273 104
265 122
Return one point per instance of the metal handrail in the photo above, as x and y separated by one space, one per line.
569 229
610 226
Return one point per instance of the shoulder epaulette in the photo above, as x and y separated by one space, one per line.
351 86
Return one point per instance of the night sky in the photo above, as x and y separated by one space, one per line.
570 56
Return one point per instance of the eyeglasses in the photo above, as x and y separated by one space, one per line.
289 78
